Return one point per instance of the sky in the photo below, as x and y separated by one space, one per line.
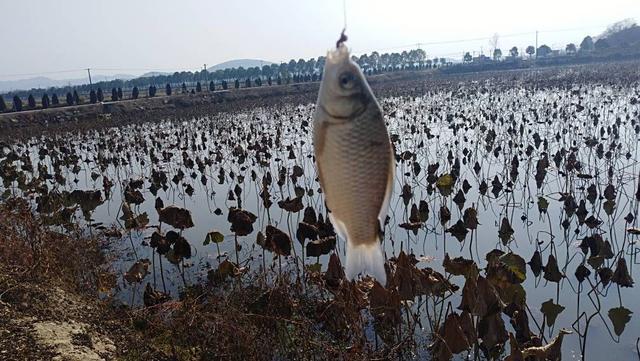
59 38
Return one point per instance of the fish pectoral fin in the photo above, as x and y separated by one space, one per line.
384 208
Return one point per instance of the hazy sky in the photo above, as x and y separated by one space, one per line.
135 36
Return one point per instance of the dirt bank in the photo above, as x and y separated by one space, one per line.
185 106
91 116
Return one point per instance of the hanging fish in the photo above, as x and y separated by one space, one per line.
355 161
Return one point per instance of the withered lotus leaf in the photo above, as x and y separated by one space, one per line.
405 277
445 181
160 242
181 248
138 271
176 217
551 351
458 230
445 215
536 263
480 298
551 270
310 216
241 221
411 226
88 200
225 270
520 322
460 266
505 232
406 194
291 205
605 274
470 218
414 215
133 196
621 275
277 241
492 331
466 323
551 311
153 297
385 307
213 237
516 266
412 282
423 211
321 246
582 272
619 317
451 332
127 213
306 231
459 199
335 274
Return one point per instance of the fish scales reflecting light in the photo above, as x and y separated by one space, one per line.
355 161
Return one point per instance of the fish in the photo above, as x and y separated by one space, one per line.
355 162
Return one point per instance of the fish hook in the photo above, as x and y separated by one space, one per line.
343 38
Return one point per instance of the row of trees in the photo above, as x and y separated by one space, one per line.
95 96
293 71
45 101
284 73
587 46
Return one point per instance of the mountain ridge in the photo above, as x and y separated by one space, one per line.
43 82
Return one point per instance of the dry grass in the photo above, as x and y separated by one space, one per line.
32 251
47 275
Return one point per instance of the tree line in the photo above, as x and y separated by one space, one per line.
296 71
587 47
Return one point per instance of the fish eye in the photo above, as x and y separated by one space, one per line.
347 80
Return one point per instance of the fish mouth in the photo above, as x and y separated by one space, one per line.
341 119
338 55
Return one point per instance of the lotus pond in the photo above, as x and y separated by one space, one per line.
512 230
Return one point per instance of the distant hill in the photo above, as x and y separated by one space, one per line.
153 73
245 63
44 82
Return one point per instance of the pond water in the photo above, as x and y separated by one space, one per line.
493 143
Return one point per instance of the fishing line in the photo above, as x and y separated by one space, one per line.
344 10
343 37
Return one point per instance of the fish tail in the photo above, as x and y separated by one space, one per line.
365 259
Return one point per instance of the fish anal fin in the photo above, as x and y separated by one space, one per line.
339 227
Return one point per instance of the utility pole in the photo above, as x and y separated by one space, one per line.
536 44
89 72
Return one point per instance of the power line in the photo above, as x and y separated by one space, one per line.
406 46
467 40
45 72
